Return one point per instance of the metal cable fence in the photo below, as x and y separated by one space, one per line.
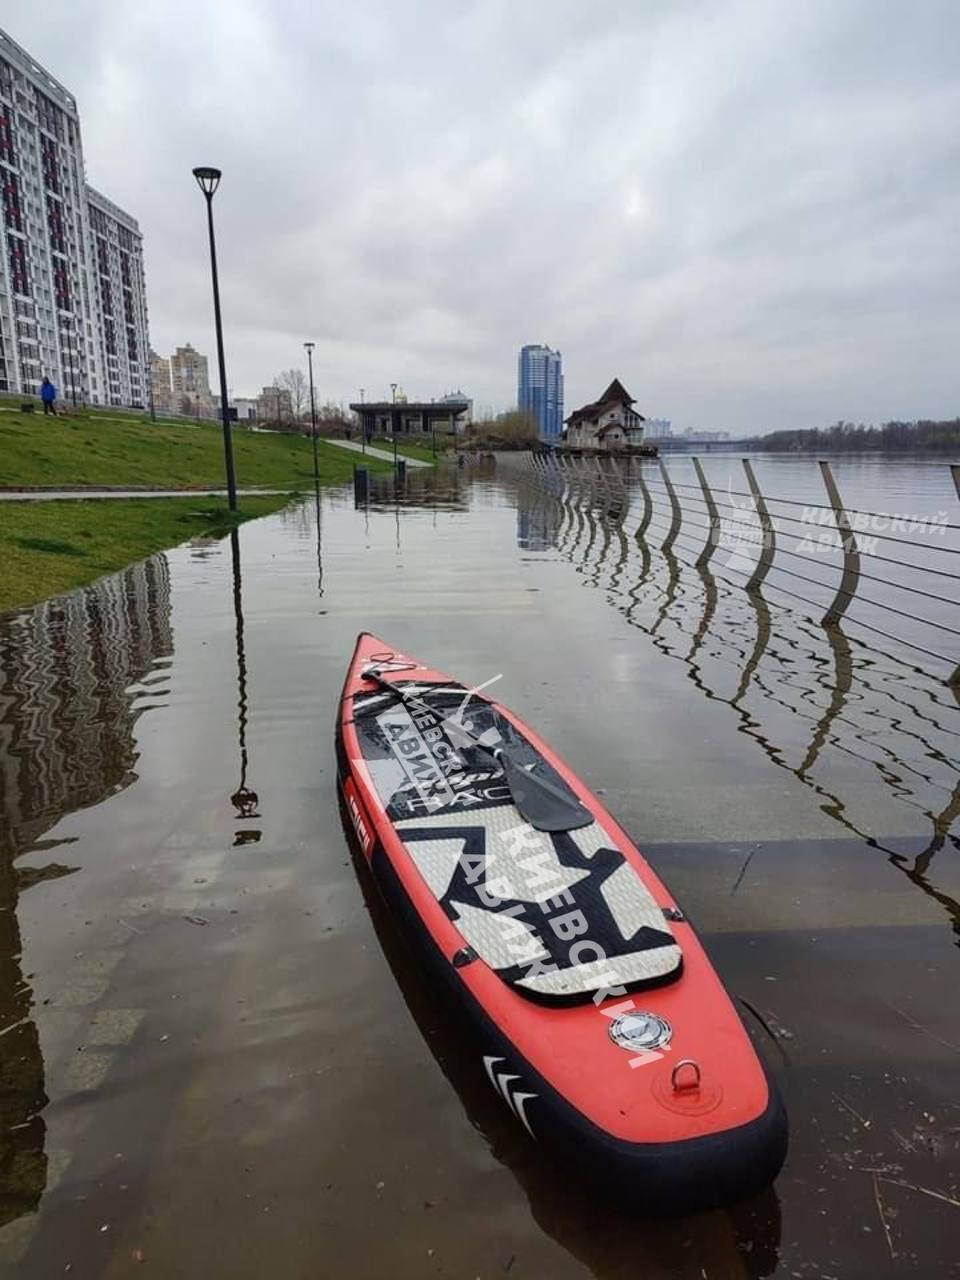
911 604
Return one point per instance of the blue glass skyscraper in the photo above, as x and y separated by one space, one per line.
540 388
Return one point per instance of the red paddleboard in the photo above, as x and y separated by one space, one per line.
597 1016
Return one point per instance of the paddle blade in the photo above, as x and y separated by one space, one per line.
544 805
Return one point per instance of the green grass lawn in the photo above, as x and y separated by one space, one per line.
89 449
49 547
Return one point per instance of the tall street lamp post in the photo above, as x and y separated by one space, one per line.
363 426
308 347
208 180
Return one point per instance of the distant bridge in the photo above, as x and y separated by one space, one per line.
679 444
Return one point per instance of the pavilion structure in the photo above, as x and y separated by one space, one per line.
414 418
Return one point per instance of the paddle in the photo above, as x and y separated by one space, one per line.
544 805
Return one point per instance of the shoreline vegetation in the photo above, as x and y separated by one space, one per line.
49 546
846 437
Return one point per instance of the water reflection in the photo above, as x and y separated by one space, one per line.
537 526
743 1241
318 513
442 488
788 679
75 673
245 800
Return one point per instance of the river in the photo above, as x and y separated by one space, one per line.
218 1057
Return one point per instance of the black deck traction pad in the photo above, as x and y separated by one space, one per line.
558 916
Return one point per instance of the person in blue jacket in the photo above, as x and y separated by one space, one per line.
48 393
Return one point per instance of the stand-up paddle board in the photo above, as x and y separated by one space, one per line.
597 1016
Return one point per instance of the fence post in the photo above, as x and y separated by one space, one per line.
647 507
851 552
675 513
713 537
769 544
955 678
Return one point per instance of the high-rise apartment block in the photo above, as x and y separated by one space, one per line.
540 388
72 295
161 385
190 379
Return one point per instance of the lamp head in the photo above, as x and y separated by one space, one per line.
208 179
309 346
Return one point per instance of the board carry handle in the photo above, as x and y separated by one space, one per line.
680 1085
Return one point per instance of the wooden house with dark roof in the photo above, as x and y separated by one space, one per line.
608 423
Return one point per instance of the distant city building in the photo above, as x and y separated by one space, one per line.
540 388
72 295
191 383
657 429
245 408
458 398
693 436
161 384
274 404
608 423
242 408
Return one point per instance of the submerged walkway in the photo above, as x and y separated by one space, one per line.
371 452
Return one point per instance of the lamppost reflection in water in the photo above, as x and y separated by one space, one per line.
319 515
245 800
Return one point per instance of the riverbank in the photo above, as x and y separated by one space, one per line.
90 448
50 547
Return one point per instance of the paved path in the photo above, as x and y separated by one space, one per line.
377 453
61 495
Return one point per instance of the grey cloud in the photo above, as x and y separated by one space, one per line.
748 211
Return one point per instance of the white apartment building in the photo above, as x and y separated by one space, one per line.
72 296
119 304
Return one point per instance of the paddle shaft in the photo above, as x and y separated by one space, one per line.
532 794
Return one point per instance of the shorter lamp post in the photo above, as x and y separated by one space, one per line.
308 347
393 422
208 179
363 426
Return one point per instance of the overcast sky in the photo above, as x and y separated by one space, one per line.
747 211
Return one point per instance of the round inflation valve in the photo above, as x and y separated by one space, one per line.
638 1031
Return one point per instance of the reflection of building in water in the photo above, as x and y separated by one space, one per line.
537 526
66 742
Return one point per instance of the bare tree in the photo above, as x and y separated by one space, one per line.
295 381
331 420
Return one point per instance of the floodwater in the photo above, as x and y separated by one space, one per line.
217 1056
